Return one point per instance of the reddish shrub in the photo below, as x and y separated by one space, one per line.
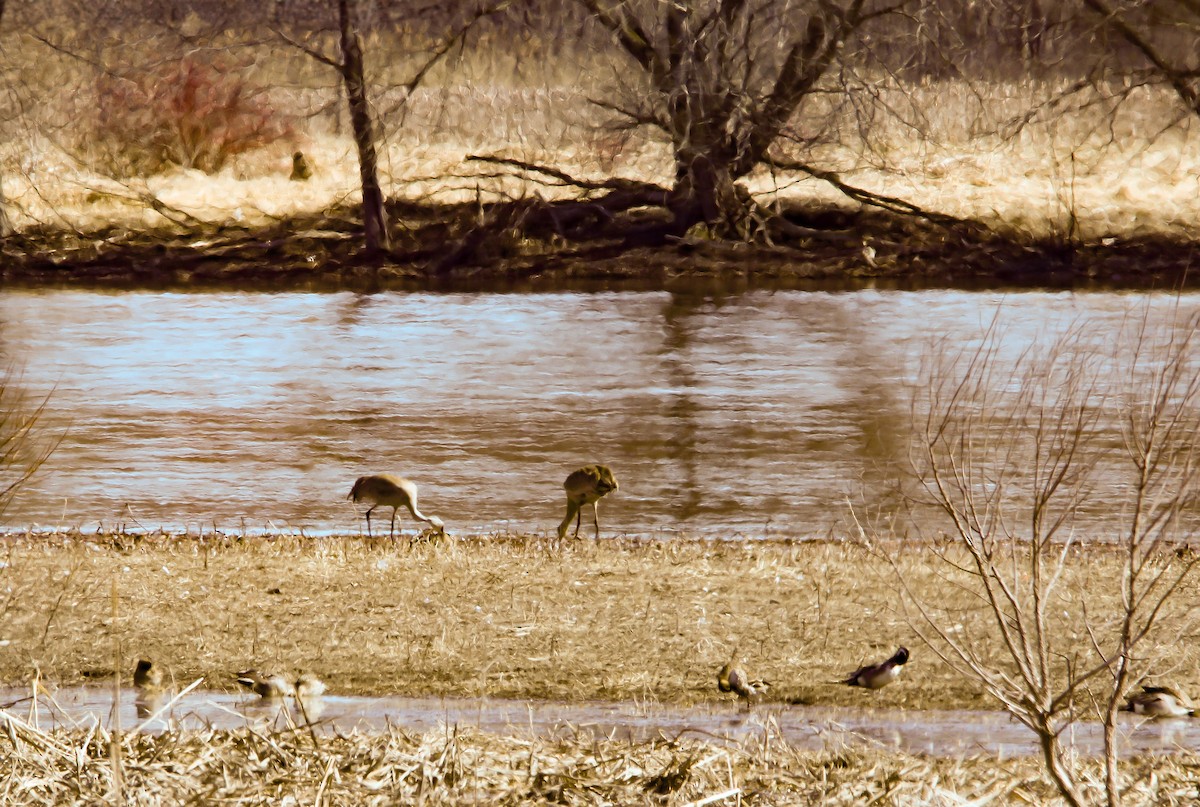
197 113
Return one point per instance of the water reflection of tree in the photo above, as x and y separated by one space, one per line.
682 410
851 433
873 378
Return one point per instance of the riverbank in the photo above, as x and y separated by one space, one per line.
507 617
324 253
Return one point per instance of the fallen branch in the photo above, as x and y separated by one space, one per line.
567 179
866 197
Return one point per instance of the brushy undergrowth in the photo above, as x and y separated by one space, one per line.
193 113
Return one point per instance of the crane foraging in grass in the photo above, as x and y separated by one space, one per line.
588 485
391 491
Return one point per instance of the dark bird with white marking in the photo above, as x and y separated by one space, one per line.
875 676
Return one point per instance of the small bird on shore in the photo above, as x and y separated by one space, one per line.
146 676
745 687
588 485
733 678
151 692
267 685
391 491
309 686
300 167
1159 701
874 676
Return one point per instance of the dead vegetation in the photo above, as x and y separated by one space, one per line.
457 766
454 766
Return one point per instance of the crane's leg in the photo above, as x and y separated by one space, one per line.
596 517
578 518
372 507
572 509
392 534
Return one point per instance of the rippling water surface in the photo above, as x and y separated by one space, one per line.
754 414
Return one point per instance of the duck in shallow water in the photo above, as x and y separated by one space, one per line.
1159 701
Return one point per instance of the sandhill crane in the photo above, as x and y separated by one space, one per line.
390 491
874 676
588 485
1159 701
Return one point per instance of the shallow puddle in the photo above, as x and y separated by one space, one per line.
940 733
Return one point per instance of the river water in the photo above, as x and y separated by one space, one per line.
753 414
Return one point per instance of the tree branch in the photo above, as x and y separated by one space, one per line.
892 203
631 37
567 179
1177 79
313 52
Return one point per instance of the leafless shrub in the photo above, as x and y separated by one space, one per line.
1017 462
24 446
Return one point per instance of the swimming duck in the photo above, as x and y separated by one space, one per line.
146 676
269 685
1159 701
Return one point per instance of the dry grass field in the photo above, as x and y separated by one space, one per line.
507 617
1028 183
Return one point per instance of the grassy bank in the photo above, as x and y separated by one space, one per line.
500 617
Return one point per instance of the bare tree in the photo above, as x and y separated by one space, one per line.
723 80
1013 463
349 66
6 227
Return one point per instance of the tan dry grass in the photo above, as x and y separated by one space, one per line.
953 149
455 766
503 617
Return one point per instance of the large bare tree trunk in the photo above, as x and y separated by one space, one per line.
6 227
375 232
727 77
